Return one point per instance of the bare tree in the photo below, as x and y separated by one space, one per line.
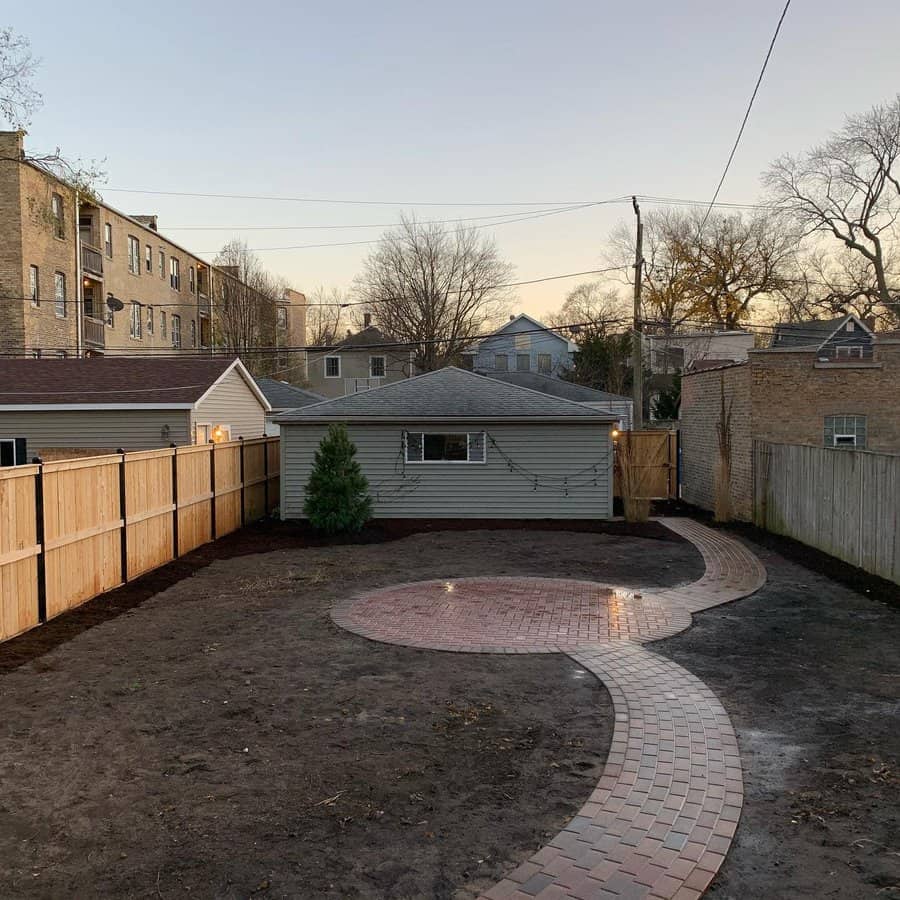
595 309
849 188
245 306
18 97
439 289
324 315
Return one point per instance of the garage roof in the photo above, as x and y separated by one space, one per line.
449 393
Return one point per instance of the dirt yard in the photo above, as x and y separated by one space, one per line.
207 731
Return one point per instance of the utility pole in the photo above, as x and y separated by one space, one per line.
637 361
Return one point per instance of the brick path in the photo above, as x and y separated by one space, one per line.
662 816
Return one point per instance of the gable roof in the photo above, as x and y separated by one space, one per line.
812 333
115 382
365 338
449 393
536 326
558 387
282 395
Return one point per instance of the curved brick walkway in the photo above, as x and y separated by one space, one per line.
665 810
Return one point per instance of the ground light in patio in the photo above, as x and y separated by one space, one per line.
666 808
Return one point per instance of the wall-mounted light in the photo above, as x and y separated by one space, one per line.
614 433
218 434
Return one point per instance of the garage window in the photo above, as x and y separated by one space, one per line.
458 447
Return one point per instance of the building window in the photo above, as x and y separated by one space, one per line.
35 354
204 331
544 363
148 258
201 432
191 279
162 323
107 239
845 432
193 333
501 362
176 331
465 447
59 293
34 285
149 320
174 274
377 365
56 212
332 367
523 362
849 351
134 255
281 317
135 330
851 325
162 264
61 354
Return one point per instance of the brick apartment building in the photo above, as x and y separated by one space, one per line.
63 256
839 391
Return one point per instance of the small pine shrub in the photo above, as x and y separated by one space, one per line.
337 493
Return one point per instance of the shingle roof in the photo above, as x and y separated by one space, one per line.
119 380
804 334
558 387
365 338
449 393
282 395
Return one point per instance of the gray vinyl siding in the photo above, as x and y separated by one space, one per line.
100 429
355 368
579 452
233 403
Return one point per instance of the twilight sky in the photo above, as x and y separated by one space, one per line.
471 102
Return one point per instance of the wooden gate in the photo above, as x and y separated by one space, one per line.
656 454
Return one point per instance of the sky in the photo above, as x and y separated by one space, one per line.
406 104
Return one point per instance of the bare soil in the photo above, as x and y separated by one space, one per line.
208 731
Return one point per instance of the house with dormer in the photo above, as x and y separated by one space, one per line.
523 344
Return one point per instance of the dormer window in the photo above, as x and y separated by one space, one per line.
851 325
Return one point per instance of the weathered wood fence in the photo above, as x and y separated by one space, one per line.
72 529
844 502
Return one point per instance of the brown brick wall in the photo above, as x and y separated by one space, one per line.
12 328
791 397
700 413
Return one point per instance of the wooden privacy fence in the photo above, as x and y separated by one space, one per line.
844 502
72 529
655 454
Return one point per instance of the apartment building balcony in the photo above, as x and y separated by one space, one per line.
94 332
91 260
203 302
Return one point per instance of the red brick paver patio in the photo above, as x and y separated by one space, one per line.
663 815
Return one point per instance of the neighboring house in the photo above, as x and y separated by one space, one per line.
804 394
283 397
64 407
614 404
290 331
846 337
64 254
522 345
367 359
665 354
454 444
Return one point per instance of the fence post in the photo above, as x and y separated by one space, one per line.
243 498
212 487
174 501
265 478
123 515
39 535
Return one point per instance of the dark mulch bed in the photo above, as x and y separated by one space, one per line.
207 730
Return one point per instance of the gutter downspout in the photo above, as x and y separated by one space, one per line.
79 283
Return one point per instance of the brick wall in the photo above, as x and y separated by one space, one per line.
12 329
792 394
700 413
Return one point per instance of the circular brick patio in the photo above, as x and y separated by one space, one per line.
666 808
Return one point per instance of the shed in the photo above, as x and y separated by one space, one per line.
282 397
455 444
80 407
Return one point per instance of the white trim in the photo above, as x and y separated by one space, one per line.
207 426
384 367
241 369
843 327
445 462
80 407
13 442
325 365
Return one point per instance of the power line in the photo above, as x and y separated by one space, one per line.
740 134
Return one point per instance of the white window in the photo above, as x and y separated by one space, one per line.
501 362
162 264
523 362
545 364
59 293
176 331
849 351
845 432
193 333
191 279
7 452
201 432
332 367
135 324
281 317
134 255
162 323
148 258
174 274
34 285
107 239
149 320
377 365
851 325
56 212
426 446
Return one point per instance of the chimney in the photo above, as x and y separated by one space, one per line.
512 318
367 320
12 144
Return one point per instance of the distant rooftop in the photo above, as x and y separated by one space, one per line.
282 395
557 387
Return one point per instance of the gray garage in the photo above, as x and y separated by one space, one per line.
453 444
